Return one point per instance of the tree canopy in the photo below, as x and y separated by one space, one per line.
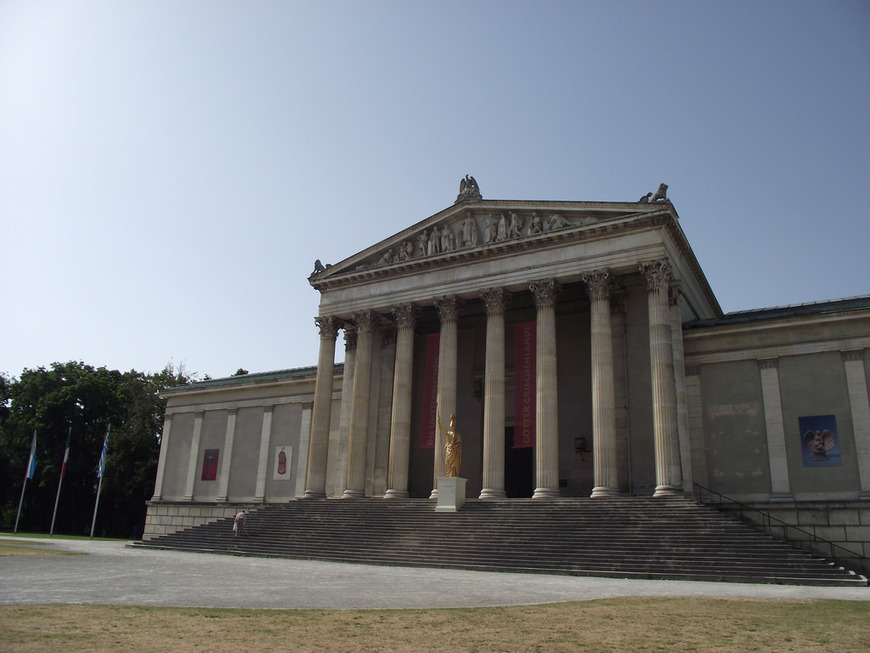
83 402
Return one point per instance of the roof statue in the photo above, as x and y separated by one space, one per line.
468 190
660 196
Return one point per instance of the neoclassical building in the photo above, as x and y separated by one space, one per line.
582 352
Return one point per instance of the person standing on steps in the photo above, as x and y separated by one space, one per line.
239 523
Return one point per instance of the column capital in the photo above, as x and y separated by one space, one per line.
350 340
328 326
448 308
658 274
545 292
494 299
598 284
768 363
405 316
365 321
854 355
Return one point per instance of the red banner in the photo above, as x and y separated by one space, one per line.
524 397
430 392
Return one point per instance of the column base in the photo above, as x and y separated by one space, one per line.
547 493
781 496
451 495
312 494
668 491
395 494
604 491
434 493
353 494
489 493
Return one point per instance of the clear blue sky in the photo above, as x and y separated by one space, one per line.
169 171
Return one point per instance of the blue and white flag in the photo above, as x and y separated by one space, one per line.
31 464
101 467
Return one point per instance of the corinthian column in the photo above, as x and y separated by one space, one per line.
493 401
667 444
359 412
603 397
448 313
315 480
400 422
547 405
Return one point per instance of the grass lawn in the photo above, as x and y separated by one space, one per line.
643 624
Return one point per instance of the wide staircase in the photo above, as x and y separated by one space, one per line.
663 538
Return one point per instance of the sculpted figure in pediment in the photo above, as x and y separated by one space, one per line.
502 228
423 242
535 225
556 222
469 232
448 240
490 233
515 228
387 258
434 242
406 251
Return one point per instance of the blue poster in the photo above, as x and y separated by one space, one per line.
820 443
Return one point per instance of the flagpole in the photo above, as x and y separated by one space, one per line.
19 505
31 466
60 482
100 467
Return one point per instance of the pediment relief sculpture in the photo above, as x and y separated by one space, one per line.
472 231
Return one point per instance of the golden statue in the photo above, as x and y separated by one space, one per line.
452 447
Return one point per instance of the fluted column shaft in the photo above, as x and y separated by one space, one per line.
318 447
448 351
598 285
667 445
194 457
493 401
400 421
547 405
344 415
359 419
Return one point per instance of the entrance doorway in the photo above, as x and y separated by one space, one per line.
519 472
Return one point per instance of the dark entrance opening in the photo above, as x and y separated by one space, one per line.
519 472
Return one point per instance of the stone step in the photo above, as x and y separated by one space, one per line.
624 537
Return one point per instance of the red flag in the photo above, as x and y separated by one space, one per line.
430 392
525 404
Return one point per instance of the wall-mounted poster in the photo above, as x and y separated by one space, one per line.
209 464
820 443
283 458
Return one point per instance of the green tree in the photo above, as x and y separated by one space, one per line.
86 401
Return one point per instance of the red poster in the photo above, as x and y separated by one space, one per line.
430 392
209 464
524 400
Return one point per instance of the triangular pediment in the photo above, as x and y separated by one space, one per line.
478 229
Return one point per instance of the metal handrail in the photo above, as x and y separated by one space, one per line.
779 528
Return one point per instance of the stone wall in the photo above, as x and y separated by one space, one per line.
846 524
165 517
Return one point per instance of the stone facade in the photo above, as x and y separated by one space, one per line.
641 385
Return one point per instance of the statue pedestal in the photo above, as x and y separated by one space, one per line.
451 493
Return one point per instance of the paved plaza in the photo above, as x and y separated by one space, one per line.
117 574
